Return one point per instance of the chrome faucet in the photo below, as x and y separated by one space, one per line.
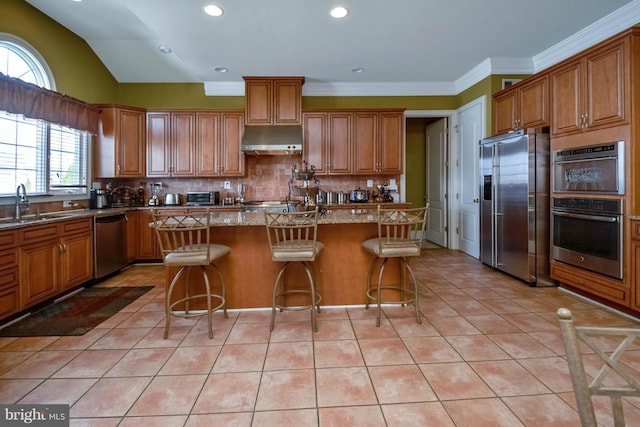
21 201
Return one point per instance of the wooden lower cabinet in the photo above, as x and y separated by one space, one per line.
39 271
9 277
147 242
132 235
613 290
635 264
76 254
54 258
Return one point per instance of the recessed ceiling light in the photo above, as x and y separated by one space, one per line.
357 70
221 69
213 10
164 48
339 12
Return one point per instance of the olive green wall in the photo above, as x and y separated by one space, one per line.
416 160
77 70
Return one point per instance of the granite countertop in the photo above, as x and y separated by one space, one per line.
352 213
338 216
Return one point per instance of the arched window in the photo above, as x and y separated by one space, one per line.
47 158
20 60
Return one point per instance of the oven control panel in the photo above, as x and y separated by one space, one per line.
588 205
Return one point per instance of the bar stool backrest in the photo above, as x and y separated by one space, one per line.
614 377
401 231
184 238
292 235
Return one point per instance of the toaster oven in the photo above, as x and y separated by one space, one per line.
203 198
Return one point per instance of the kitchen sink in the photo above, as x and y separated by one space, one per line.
31 218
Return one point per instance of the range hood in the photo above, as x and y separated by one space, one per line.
272 140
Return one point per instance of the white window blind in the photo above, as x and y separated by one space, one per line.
46 158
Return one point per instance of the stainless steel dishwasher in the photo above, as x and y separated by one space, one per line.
109 244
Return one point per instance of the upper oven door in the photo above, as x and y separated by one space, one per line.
596 169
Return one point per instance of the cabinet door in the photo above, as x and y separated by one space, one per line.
158 144
259 104
339 143
606 86
364 142
9 292
130 144
566 90
287 102
231 157
147 242
207 136
534 103
77 260
132 236
182 144
119 148
39 271
390 153
315 140
504 112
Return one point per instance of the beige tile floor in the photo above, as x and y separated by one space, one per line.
488 353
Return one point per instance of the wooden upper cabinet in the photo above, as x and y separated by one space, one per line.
170 144
365 126
183 140
525 105
273 100
339 143
378 142
218 141
230 155
591 91
391 142
327 142
314 141
120 146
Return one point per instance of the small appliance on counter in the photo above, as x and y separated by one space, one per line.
172 199
359 196
156 188
99 198
203 198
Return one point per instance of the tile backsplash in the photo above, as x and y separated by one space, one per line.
266 178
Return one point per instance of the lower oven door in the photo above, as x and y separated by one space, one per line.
592 242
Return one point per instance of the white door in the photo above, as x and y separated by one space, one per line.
471 119
436 149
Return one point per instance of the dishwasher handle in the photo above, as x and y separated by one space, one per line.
110 218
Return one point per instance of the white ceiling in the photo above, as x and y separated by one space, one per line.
425 47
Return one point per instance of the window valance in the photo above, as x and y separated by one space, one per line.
19 97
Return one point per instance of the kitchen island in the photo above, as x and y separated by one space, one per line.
250 273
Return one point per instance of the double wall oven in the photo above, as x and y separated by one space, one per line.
587 223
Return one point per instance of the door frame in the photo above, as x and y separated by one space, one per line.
452 181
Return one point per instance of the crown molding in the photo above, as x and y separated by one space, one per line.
377 88
617 21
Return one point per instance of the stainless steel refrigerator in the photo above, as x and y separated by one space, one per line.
514 204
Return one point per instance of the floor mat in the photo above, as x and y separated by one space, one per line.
77 314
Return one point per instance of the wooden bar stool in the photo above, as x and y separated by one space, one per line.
185 243
614 376
292 239
400 234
